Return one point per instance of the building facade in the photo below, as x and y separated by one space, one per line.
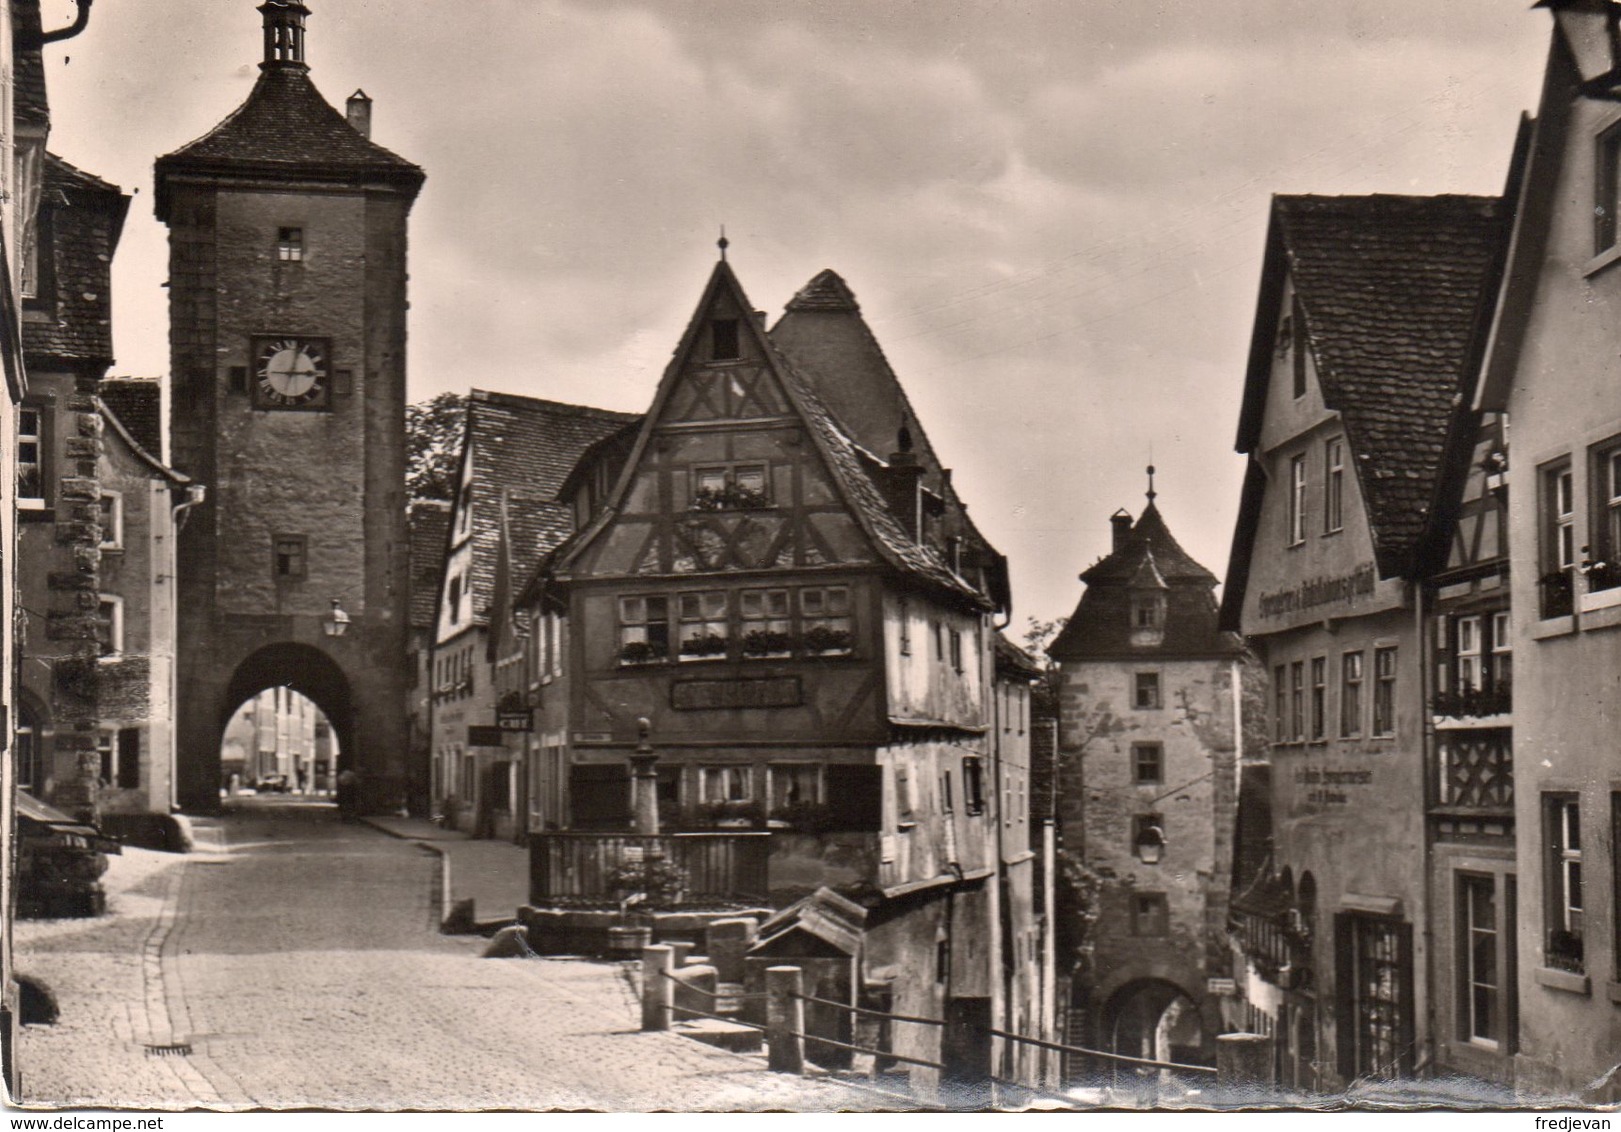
287 297
516 456
1148 776
774 572
1368 313
1547 368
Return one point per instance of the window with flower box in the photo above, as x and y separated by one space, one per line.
824 618
730 487
644 629
765 623
704 625
1604 555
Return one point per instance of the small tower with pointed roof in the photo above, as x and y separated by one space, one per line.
287 299
1148 755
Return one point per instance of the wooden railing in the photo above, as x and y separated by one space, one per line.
594 866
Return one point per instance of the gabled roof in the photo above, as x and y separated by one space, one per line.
142 453
801 373
138 404
285 129
1147 557
429 521
82 219
525 446
1393 291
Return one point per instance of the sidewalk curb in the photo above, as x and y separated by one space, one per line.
445 902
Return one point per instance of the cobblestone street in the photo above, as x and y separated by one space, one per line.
299 960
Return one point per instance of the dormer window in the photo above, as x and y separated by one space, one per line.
723 339
290 245
1147 617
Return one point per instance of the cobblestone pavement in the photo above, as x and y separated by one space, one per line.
298 958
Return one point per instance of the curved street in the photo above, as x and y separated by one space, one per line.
295 961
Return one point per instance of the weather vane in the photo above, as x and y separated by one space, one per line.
1151 491
723 243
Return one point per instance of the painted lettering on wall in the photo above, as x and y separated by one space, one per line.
1325 787
1341 590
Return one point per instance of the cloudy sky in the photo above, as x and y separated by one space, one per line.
1052 211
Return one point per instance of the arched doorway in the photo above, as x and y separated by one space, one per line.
1156 1020
294 675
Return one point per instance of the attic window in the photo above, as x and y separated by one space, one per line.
723 339
290 244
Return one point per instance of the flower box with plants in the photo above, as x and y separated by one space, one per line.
707 647
1474 703
805 817
732 497
823 641
732 815
641 652
767 642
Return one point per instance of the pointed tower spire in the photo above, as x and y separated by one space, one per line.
284 34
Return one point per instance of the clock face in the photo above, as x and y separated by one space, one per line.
290 373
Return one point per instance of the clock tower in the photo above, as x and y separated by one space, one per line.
287 279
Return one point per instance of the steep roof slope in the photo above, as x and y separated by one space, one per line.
527 447
1392 290
137 402
429 521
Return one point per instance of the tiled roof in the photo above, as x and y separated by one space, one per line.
137 402
82 217
528 447
29 101
1013 660
1101 626
535 528
430 524
286 128
1392 289
854 399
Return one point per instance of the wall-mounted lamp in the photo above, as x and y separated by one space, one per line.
1150 844
336 623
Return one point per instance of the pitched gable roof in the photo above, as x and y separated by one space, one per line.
1147 557
525 446
1393 291
142 453
286 129
842 455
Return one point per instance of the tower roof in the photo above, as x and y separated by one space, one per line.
1146 558
286 130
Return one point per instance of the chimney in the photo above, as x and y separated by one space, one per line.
359 111
1121 522
903 483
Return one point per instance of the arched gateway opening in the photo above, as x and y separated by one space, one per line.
312 718
1155 1020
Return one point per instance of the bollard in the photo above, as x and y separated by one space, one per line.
681 948
658 990
785 1019
726 942
1244 1061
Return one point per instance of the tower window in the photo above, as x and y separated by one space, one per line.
1147 690
291 556
1147 763
110 625
290 244
724 340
